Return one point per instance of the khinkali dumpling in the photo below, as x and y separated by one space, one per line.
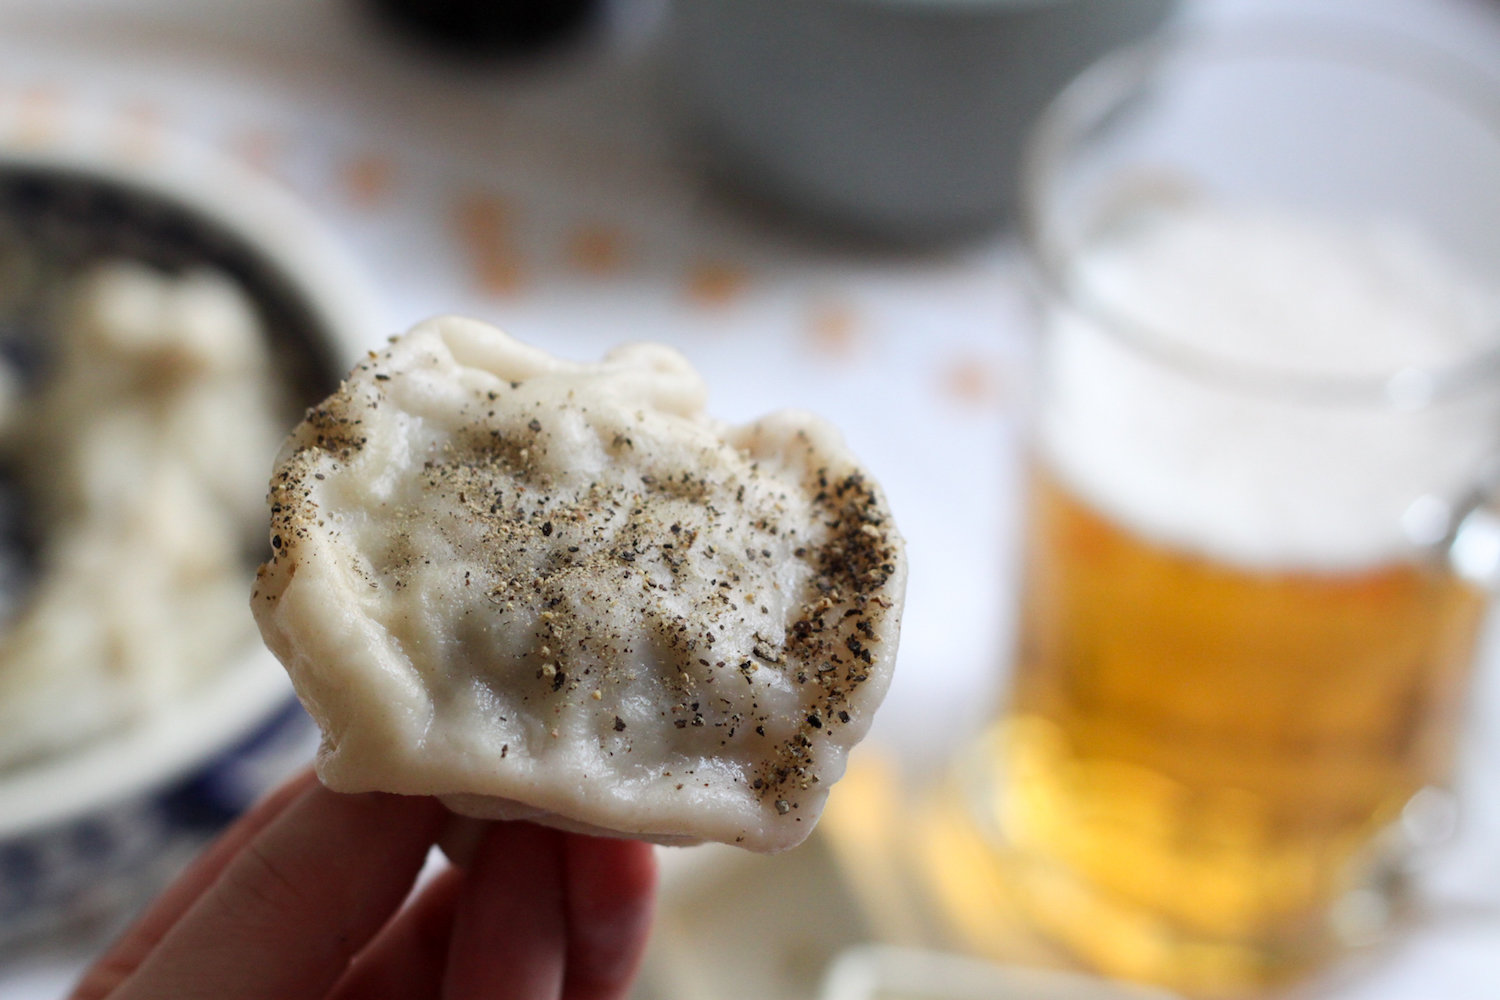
556 591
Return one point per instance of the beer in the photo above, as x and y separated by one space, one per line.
1206 755
1236 664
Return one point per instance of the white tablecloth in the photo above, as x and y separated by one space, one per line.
602 230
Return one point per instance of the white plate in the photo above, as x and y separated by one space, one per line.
169 744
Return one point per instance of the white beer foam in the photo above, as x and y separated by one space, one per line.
1264 478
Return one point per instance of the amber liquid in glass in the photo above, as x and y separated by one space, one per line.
1200 759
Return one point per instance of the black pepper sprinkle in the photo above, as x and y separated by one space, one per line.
619 724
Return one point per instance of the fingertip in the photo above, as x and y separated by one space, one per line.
461 838
419 807
510 930
504 846
611 905
611 868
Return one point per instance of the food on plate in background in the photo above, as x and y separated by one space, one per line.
139 453
559 591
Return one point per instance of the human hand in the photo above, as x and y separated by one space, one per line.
302 899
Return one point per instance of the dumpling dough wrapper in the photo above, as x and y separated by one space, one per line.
554 591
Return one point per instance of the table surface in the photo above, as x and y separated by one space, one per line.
611 232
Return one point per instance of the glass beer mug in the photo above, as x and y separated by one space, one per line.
1257 548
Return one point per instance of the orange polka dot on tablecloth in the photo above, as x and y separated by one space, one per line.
367 179
139 131
258 148
971 381
39 111
715 283
597 249
481 223
833 329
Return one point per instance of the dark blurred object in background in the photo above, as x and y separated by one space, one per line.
900 119
479 28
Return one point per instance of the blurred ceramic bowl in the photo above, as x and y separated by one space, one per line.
901 119
73 821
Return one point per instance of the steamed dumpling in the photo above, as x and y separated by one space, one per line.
558 591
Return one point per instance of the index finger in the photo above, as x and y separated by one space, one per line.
127 953
285 916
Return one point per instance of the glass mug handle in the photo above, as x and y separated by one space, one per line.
1469 540
1466 541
